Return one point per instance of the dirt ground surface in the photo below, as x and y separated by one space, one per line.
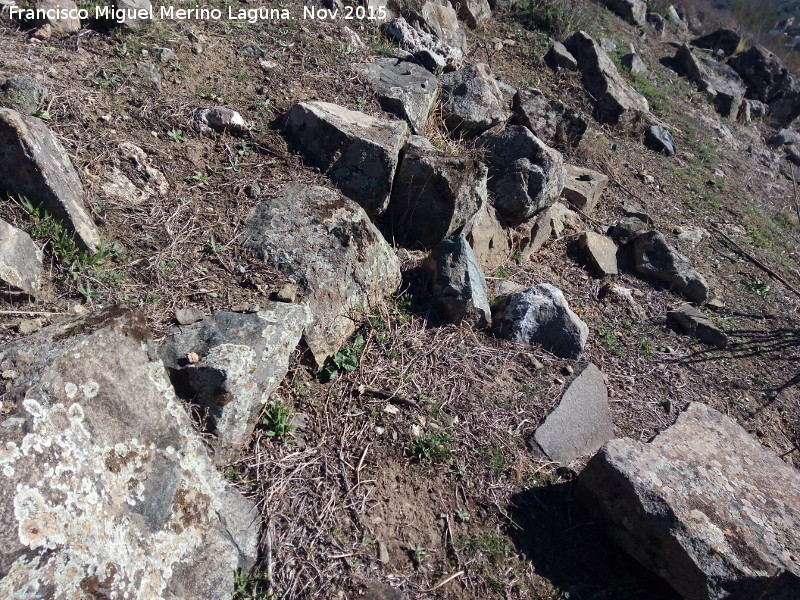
437 493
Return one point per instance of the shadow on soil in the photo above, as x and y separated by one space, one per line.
567 547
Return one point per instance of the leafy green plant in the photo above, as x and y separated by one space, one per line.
251 586
758 286
176 135
277 420
203 179
760 238
417 554
345 360
43 115
432 445
462 515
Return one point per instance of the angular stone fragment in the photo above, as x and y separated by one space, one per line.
549 120
540 315
34 164
328 245
717 80
615 99
442 21
404 89
704 506
656 258
220 118
659 139
241 360
20 261
473 12
600 251
106 485
581 423
527 176
627 229
632 11
634 63
358 152
558 57
22 93
762 72
531 235
783 138
690 320
459 286
724 39
434 195
472 102
583 187
489 239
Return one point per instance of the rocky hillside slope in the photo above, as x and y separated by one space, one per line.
396 299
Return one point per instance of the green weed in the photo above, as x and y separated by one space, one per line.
345 360
277 420
432 445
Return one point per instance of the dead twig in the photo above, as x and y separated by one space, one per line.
363 390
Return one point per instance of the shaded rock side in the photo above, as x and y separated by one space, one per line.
404 89
472 102
659 139
530 236
20 261
434 195
724 39
656 258
581 423
459 286
328 245
632 11
526 175
540 315
558 57
690 320
489 239
704 506
718 81
549 120
473 12
358 152
762 72
34 164
600 252
243 357
615 100
106 484
583 187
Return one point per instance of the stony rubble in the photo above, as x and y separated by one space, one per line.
656 258
704 506
691 321
600 252
583 187
472 102
720 82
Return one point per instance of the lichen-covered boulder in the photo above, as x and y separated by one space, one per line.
720 82
241 359
704 506
357 151
107 489
33 163
330 248
20 260
472 101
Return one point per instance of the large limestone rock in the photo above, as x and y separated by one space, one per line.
600 252
717 80
615 100
540 315
704 506
61 10
442 21
435 195
241 358
581 423
404 89
328 245
632 11
34 164
107 489
459 286
527 176
20 260
656 258
424 47
472 102
530 236
549 120
358 152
